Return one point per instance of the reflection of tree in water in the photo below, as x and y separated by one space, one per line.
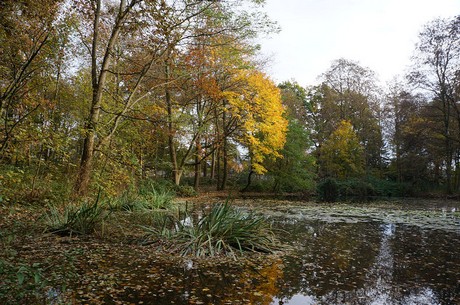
166 280
427 263
336 258
371 263
230 283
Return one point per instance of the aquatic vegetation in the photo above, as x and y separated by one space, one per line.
224 230
149 196
414 214
74 219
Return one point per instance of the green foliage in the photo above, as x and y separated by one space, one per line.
295 171
185 191
389 188
41 280
328 190
223 231
70 220
149 196
259 183
361 189
32 185
341 156
356 189
20 281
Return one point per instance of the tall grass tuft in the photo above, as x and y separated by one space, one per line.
78 220
150 196
223 231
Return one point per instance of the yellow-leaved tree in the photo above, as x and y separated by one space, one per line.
256 103
342 155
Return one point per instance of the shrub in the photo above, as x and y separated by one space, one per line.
186 191
222 231
328 190
356 189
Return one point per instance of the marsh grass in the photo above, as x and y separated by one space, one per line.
75 219
223 231
149 196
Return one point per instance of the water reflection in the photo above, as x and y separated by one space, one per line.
356 259
370 263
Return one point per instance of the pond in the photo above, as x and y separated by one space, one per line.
385 253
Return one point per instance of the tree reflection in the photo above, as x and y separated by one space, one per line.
336 257
371 263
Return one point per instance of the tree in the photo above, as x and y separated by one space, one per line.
126 40
295 171
257 106
341 156
27 30
101 53
209 48
435 72
410 134
349 92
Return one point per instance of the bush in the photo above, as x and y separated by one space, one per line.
186 191
356 189
223 231
26 185
332 190
328 190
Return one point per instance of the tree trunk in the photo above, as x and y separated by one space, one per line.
98 82
176 171
196 182
224 165
249 181
213 165
223 184
218 168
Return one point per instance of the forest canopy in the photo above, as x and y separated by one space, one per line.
101 95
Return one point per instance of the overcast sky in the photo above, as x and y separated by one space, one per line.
379 34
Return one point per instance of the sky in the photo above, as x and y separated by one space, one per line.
379 34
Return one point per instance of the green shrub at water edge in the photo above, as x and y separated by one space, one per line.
328 190
224 230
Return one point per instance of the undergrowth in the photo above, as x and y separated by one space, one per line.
75 219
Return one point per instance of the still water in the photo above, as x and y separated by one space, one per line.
371 263
389 254
398 253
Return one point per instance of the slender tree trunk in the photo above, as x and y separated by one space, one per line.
224 151
98 82
224 164
213 165
205 162
218 153
249 181
196 182
448 142
176 171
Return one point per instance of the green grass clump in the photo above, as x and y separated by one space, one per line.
149 196
223 231
75 220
